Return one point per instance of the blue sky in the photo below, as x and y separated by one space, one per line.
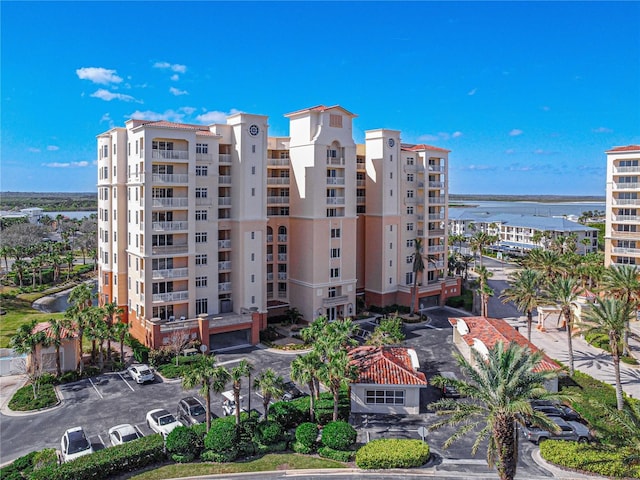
527 96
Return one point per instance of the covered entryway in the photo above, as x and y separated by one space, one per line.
229 340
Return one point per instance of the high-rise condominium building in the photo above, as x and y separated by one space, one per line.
208 230
622 236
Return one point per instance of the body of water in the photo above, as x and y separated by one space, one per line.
534 208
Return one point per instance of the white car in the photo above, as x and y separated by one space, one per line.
141 373
123 433
161 421
74 444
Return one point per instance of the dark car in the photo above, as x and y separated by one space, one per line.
292 391
449 391
556 410
191 411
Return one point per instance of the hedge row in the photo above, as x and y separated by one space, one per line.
24 466
106 463
597 459
294 412
392 453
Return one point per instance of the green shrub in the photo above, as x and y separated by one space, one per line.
307 434
19 469
183 441
187 458
226 457
222 436
44 458
109 462
70 377
160 356
338 435
337 455
392 453
290 414
280 446
23 399
597 459
268 433
324 407
140 352
301 448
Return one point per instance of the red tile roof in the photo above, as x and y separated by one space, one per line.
166 124
385 366
492 330
46 327
422 146
628 148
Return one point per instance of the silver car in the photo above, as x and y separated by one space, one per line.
567 430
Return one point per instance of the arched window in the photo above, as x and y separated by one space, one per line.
282 230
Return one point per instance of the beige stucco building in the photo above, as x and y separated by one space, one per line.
622 235
207 230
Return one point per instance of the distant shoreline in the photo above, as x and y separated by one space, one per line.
463 199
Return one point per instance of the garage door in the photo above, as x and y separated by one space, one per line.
227 340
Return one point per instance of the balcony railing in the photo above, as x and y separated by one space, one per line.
170 273
615 233
282 294
413 168
170 154
435 248
269 276
278 162
435 168
420 232
282 275
170 178
224 287
435 200
626 218
276 199
625 251
334 301
201 201
420 184
277 180
224 158
282 257
269 257
410 200
436 216
335 200
171 296
361 183
436 184
170 202
224 179
435 232
204 157
626 201
335 161
633 169
224 243
269 238
435 265
226 265
360 200
169 249
335 180
169 226
282 237
224 201
626 186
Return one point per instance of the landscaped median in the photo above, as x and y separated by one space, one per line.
392 453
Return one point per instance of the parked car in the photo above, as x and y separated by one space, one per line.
191 411
449 391
141 373
229 403
74 444
552 409
161 421
567 430
123 433
292 391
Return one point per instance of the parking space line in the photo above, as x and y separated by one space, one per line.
138 430
125 381
102 441
95 388
230 361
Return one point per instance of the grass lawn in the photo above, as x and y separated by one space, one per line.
284 461
23 399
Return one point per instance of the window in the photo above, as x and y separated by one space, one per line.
335 233
201 237
332 212
253 235
106 279
409 227
253 149
335 253
201 306
253 299
409 258
253 192
409 177
202 171
202 148
105 150
408 278
253 170
384 397
201 259
161 145
409 160
332 292
253 278
409 210
409 193
335 121
334 273
201 282
201 192
201 215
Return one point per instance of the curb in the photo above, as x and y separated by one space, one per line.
12 413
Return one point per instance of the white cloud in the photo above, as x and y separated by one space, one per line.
177 92
66 164
215 116
472 91
456 134
478 167
188 110
168 115
515 132
108 96
175 77
103 76
174 67
602 130
428 137
53 148
541 151
33 150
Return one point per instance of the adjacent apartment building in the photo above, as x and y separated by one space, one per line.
208 230
622 235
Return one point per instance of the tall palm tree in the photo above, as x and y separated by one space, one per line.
112 315
304 369
25 341
546 262
484 291
120 331
205 374
418 268
524 292
243 369
81 296
466 260
627 421
270 385
336 373
500 386
623 282
564 292
610 317
479 241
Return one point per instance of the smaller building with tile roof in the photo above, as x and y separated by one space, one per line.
388 381
47 354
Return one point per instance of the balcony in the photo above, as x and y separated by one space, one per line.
224 179
224 158
270 277
282 275
632 169
626 218
269 257
625 251
436 168
170 273
335 301
279 200
335 200
435 200
226 265
224 201
626 201
361 183
171 296
616 234
360 164
435 249
224 287
282 257
278 162
361 200
435 265
282 294
410 200
269 238
335 180
170 178
436 184
174 202
436 216
413 168
224 243
420 184
170 154
169 249
277 180
204 201
626 186
169 226
335 161
435 232
204 157
282 237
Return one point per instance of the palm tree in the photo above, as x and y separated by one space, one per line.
564 291
481 240
336 373
81 296
304 369
203 372
418 268
484 291
627 421
546 262
610 317
524 292
120 331
500 386
25 341
466 260
623 282
243 369
112 314
270 385
59 331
